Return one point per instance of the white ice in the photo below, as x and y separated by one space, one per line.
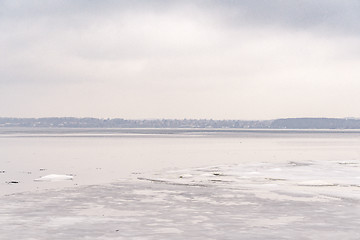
54 177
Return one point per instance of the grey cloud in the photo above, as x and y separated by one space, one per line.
300 13
332 15
179 58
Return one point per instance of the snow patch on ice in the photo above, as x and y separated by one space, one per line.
316 183
317 178
54 177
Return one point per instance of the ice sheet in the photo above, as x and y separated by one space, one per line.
318 179
294 200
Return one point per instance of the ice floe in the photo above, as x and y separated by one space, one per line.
54 177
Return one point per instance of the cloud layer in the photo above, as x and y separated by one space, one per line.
179 59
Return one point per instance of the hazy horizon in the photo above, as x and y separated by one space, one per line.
217 59
161 118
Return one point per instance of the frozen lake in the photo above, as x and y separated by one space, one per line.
179 183
95 156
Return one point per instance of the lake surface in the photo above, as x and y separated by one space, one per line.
180 184
95 156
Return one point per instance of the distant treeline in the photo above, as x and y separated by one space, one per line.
286 123
316 123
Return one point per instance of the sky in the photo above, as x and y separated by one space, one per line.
144 59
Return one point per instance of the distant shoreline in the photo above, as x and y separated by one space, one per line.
283 123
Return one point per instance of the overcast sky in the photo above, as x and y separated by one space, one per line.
220 59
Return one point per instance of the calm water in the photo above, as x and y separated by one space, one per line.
95 156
